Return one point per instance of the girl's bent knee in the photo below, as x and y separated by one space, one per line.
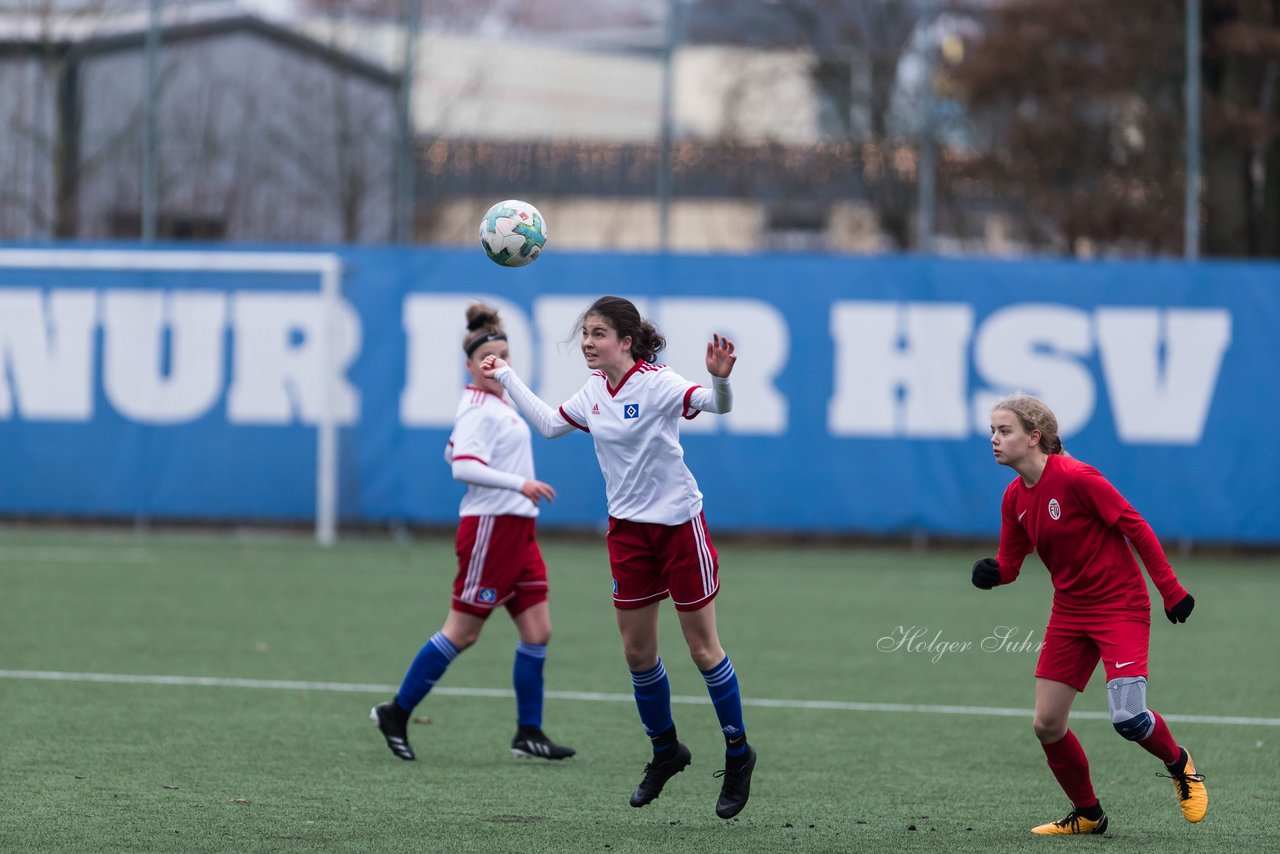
1049 731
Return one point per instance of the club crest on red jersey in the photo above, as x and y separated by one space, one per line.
1055 509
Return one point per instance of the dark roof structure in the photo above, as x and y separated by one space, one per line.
195 30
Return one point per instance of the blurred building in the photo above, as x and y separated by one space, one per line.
264 133
777 143
577 128
278 122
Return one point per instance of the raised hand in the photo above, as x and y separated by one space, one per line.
720 356
490 365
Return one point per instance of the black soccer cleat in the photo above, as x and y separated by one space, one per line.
532 743
737 783
658 772
393 722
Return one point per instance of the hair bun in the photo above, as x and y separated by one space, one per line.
480 315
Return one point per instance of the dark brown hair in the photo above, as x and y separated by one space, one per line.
624 317
483 326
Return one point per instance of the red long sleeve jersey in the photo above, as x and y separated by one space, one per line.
1077 522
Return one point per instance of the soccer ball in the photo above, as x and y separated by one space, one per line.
513 233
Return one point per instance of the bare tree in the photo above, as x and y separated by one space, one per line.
1085 123
352 162
857 48
1241 62
41 72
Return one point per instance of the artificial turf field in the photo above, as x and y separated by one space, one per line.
256 765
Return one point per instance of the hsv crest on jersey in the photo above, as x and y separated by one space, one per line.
1055 509
636 434
487 594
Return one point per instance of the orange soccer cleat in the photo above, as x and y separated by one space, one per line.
1074 823
1193 796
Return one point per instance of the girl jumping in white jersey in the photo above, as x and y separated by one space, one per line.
499 562
658 542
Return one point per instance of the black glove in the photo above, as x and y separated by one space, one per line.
986 574
1179 613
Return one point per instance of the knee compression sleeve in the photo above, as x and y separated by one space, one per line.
1128 701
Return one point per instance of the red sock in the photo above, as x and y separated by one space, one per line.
1160 743
1071 767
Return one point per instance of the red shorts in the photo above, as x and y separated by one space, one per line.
1071 651
499 563
650 562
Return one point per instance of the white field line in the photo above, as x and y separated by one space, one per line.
595 697
71 554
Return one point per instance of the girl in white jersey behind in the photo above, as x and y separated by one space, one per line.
658 541
499 562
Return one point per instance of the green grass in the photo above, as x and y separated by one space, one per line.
95 766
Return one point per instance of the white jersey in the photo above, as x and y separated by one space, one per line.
636 431
486 429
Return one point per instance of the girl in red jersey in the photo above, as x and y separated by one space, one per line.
499 562
658 542
1081 528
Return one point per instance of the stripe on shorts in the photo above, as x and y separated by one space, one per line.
704 555
479 551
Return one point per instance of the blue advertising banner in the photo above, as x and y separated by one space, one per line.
862 391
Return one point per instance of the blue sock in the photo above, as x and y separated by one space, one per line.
653 700
428 666
526 676
722 685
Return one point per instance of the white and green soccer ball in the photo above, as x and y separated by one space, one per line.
513 233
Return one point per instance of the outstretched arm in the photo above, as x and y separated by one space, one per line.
720 360
546 420
718 399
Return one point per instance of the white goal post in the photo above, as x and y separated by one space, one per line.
326 265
